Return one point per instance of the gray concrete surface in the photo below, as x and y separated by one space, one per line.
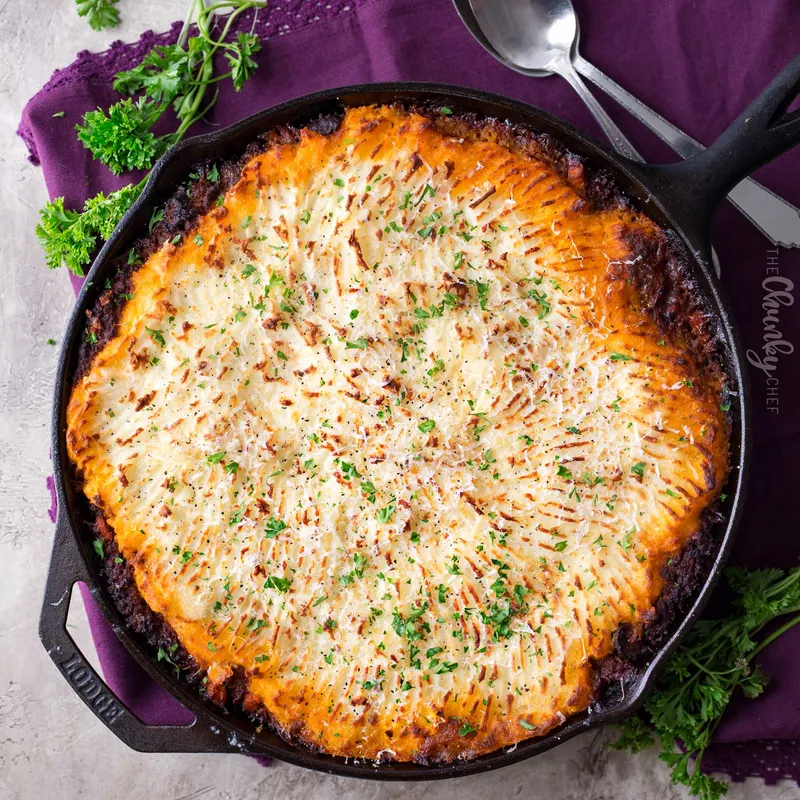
51 746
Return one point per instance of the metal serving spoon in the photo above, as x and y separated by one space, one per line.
540 37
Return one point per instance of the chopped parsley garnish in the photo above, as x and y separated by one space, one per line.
638 469
231 468
499 618
541 301
166 655
625 544
483 293
348 470
385 514
466 729
359 565
279 584
453 567
620 357
369 490
358 344
563 472
428 191
426 426
274 527
155 217
410 627
157 336
450 300
428 223
215 458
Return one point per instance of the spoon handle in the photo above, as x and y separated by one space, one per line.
617 138
777 219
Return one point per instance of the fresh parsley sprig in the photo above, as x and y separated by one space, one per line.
71 237
178 76
699 680
122 137
99 13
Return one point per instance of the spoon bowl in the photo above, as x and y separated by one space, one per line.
530 36
540 35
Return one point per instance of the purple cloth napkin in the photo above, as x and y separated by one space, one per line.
698 64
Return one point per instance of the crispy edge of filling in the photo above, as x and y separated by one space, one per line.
635 290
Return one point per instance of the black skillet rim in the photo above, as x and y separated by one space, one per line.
635 181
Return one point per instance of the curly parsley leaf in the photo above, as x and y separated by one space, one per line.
121 138
71 237
240 57
99 13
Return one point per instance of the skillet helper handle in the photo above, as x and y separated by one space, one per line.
67 567
761 133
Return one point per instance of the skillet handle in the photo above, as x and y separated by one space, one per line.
67 566
762 132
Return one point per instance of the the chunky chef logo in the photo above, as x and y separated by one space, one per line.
777 295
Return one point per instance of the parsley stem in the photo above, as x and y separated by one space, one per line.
776 633
709 672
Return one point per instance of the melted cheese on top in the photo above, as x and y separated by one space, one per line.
389 432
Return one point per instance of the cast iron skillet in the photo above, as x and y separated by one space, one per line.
680 197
